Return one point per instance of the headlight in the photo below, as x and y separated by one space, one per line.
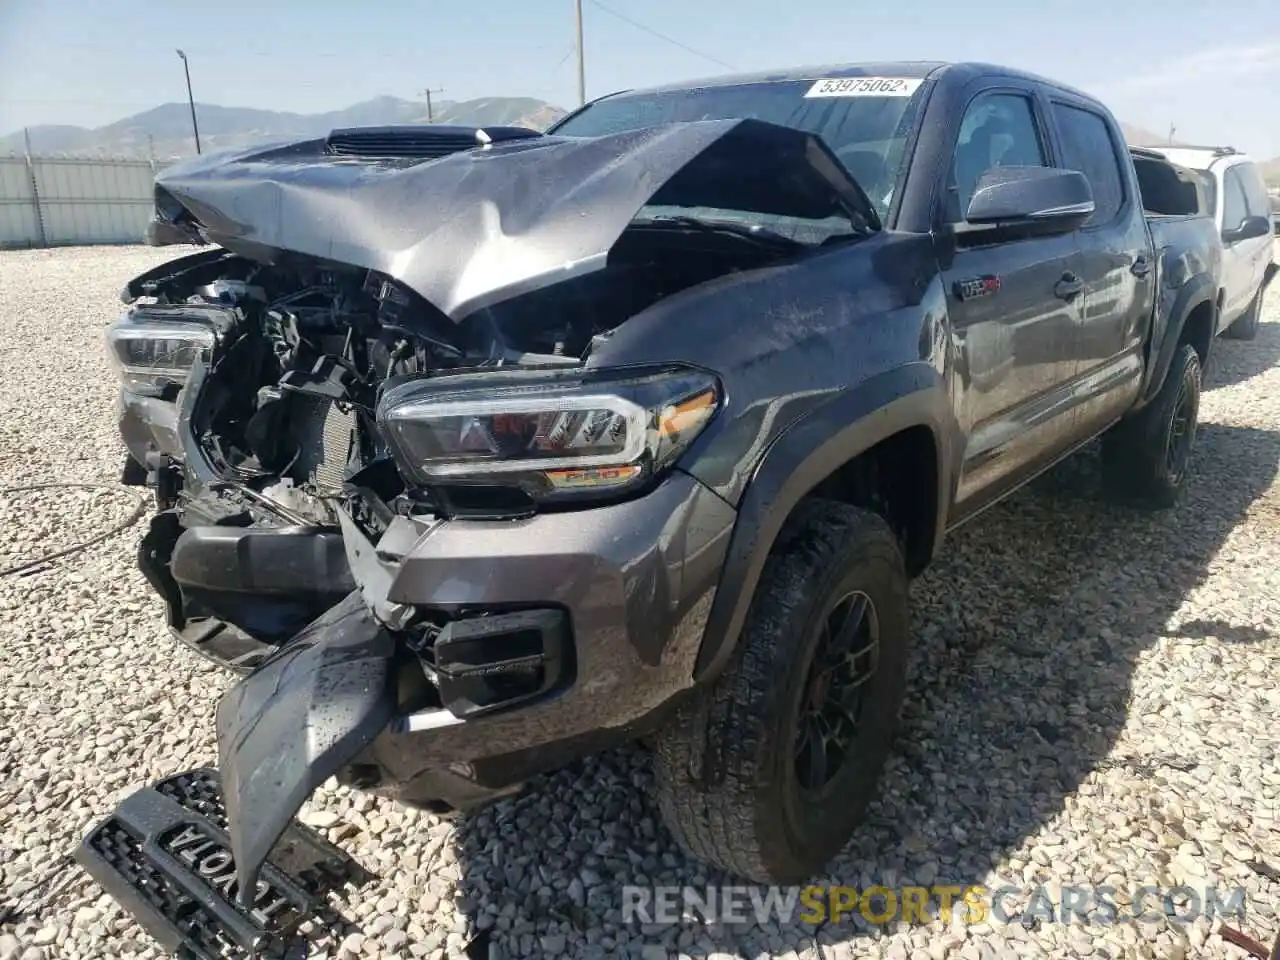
152 352
553 436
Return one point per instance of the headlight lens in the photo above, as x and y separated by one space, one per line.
554 436
152 352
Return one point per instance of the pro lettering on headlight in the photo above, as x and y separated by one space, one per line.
150 351
554 436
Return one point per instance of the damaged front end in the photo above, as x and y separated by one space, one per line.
446 547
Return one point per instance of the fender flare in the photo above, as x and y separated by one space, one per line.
1199 290
807 452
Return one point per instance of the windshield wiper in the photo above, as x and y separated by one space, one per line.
758 234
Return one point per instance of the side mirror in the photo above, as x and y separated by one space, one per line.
1249 229
1031 200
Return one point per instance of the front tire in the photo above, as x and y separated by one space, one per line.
767 773
1145 457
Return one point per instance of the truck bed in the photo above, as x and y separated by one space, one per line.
1184 235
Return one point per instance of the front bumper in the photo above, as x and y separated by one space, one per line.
617 596
636 581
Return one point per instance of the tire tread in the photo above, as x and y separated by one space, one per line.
715 819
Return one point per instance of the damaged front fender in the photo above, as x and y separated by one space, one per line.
295 721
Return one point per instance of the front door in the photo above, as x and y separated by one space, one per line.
1014 308
1243 261
1258 252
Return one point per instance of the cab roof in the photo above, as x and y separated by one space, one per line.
911 69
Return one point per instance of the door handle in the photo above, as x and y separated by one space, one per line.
1069 287
1141 267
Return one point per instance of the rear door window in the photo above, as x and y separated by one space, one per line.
1255 191
1088 146
1235 206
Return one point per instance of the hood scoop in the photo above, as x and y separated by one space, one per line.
417 141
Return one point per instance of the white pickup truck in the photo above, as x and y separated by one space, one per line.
1237 197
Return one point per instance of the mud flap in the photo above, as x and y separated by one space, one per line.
295 721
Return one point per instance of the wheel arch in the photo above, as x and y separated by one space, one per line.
1194 314
904 411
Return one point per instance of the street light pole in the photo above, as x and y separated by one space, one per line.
582 66
190 99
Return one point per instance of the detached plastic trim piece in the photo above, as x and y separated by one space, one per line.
284 560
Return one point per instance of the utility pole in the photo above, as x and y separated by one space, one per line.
190 100
35 188
1172 131
431 118
582 66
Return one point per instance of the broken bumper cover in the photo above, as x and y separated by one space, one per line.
623 592
165 855
294 721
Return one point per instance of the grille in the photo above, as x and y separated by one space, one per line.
208 923
325 435
123 851
198 792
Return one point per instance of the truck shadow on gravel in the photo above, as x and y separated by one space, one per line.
1236 361
1027 633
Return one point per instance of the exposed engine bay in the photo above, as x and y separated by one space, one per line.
283 415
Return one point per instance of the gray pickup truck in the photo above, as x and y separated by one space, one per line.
477 450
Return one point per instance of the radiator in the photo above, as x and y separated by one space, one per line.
325 436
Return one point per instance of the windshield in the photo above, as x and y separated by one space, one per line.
867 133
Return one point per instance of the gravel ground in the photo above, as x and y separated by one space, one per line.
1092 703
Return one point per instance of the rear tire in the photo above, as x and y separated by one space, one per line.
1145 458
751 775
1245 326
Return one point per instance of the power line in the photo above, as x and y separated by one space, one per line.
662 36
200 50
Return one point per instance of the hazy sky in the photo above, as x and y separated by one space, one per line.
1211 69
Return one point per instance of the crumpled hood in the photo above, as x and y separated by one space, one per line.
479 226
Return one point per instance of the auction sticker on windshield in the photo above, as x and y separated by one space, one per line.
865 87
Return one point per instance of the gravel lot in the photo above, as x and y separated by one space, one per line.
1093 702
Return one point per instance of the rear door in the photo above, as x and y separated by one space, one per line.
1013 305
1116 264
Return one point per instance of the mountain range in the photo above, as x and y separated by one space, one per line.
165 131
